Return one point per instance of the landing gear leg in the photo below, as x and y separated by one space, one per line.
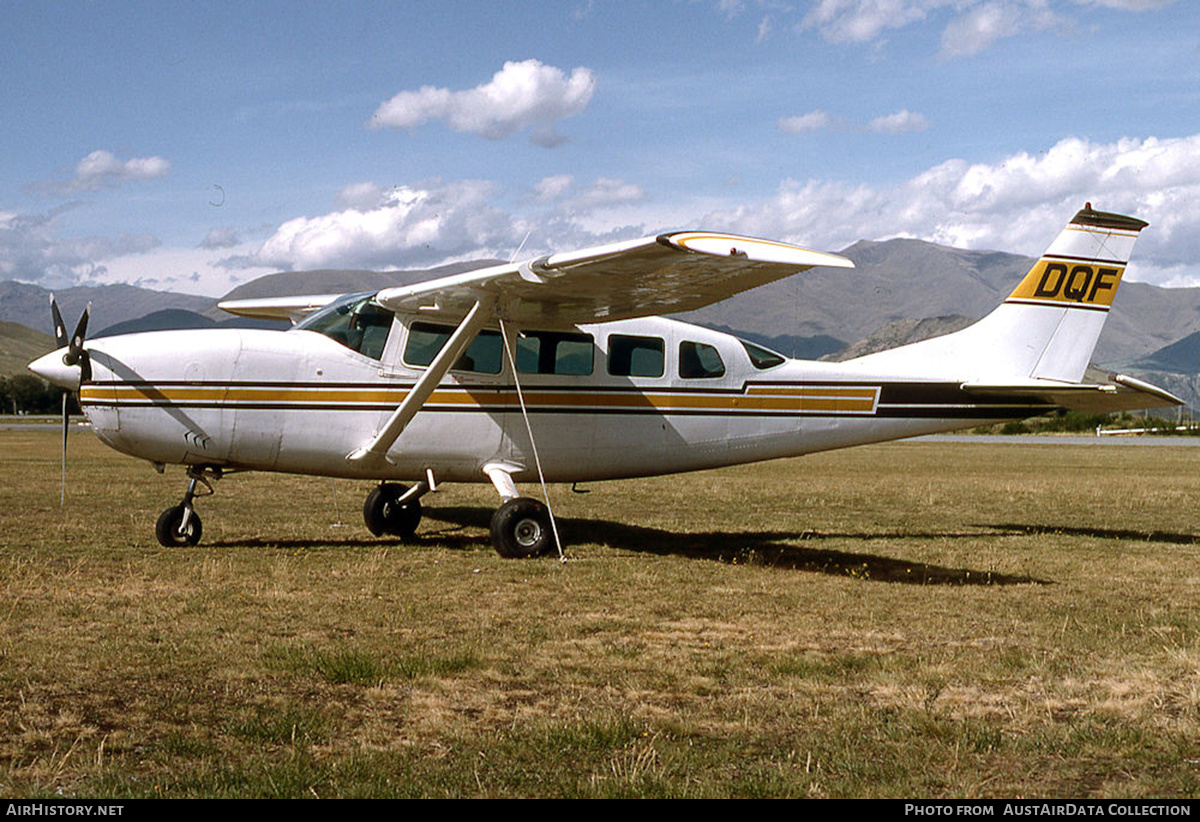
179 526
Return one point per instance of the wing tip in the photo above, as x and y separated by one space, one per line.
718 244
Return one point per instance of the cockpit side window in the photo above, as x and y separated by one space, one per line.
356 322
698 361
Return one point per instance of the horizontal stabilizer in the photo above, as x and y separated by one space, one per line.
1121 393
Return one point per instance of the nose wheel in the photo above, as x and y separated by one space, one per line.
179 526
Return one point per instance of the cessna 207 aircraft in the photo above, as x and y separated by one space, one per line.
555 369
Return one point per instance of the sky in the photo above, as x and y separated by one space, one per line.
194 146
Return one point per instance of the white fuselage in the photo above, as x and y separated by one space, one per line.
652 400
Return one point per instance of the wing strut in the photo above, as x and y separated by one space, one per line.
462 337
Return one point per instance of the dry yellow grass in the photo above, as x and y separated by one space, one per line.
915 619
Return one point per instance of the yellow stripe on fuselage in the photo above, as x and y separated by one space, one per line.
795 399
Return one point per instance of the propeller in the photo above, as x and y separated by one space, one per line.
75 355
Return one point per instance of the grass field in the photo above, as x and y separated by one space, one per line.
916 619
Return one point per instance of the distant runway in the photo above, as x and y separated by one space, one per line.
37 424
1083 439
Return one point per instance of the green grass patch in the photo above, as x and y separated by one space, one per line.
910 620
356 666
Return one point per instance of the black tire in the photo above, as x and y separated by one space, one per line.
521 529
168 530
385 515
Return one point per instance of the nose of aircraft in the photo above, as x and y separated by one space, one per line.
52 368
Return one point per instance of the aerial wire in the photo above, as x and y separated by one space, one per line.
512 362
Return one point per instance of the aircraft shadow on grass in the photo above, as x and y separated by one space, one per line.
1096 533
775 549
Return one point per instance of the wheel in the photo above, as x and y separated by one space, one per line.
384 514
521 528
169 531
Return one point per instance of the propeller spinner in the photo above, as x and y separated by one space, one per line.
66 368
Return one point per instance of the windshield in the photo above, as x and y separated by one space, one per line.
354 321
762 358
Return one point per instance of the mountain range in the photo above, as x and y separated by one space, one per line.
900 290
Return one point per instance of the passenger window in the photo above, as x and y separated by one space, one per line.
635 356
354 321
554 352
698 361
484 355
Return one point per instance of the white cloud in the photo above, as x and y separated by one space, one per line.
223 237
731 8
817 120
33 249
901 122
570 200
102 169
764 30
983 25
861 21
606 192
521 95
413 226
360 196
972 27
1127 5
183 270
1014 205
552 188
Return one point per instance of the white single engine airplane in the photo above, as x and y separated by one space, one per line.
555 369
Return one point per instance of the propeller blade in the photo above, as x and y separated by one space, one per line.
76 355
60 328
75 349
62 501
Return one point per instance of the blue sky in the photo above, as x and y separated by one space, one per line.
194 146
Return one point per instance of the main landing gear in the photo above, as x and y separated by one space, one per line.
179 526
521 527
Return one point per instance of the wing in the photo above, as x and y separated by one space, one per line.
1121 393
666 274
293 309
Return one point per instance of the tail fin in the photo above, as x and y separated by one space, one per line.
1070 290
1048 326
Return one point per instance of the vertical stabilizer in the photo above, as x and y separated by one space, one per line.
1072 286
1048 326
